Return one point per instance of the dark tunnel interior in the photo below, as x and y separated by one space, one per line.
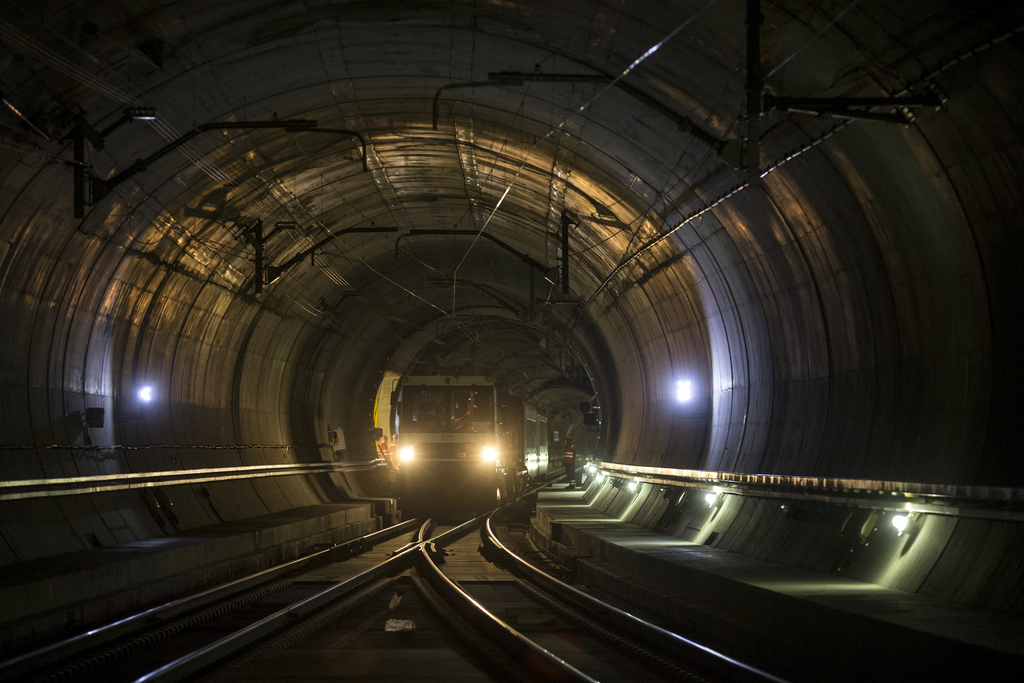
578 199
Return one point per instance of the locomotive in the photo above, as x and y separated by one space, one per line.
462 445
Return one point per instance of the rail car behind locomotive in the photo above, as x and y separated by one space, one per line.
524 442
448 450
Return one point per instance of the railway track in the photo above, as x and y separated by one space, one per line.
444 603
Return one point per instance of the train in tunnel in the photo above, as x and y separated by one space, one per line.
462 444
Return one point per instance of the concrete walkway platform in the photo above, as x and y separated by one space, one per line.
794 622
56 597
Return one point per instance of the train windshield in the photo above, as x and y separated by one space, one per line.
439 410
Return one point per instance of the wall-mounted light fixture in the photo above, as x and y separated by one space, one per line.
684 390
905 524
145 393
715 498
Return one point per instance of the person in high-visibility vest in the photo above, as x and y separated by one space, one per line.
569 460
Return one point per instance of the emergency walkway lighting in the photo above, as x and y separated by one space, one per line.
631 486
684 390
710 498
407 453
900 522
145 393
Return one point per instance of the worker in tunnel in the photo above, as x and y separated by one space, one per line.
569 460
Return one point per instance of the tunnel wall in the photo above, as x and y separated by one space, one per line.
859 307
849 310
90 322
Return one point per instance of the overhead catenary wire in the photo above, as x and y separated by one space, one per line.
813 38
635 63
650 244
30 47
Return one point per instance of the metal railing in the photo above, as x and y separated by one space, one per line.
20 489
988 502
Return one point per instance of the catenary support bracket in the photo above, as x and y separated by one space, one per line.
519 78
854 107
90 191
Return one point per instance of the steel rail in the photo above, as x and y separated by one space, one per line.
547 664
21 489
156 616
211 654
676 646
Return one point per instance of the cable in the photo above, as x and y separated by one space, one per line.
810 40
636 62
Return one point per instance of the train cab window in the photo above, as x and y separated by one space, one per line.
473 409
434 410
426 409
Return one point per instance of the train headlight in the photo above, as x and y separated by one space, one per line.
407 453
490 454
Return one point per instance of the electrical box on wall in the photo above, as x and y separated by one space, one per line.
336 437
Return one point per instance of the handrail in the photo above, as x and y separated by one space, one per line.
968 491
21 489
959 500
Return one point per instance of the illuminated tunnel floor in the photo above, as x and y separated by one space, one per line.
798 623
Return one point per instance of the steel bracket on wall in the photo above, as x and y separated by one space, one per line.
275 272
473 233
519 78
89 191
854 107
759 102
253 234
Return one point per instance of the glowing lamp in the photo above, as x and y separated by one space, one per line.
490 454
407 453
145 394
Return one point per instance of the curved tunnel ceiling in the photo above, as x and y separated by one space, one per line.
851 316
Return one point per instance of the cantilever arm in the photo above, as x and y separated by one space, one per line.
524 257
339 131
102 188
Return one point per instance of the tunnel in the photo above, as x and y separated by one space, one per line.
228 228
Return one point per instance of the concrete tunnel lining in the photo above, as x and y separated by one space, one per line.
852 317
